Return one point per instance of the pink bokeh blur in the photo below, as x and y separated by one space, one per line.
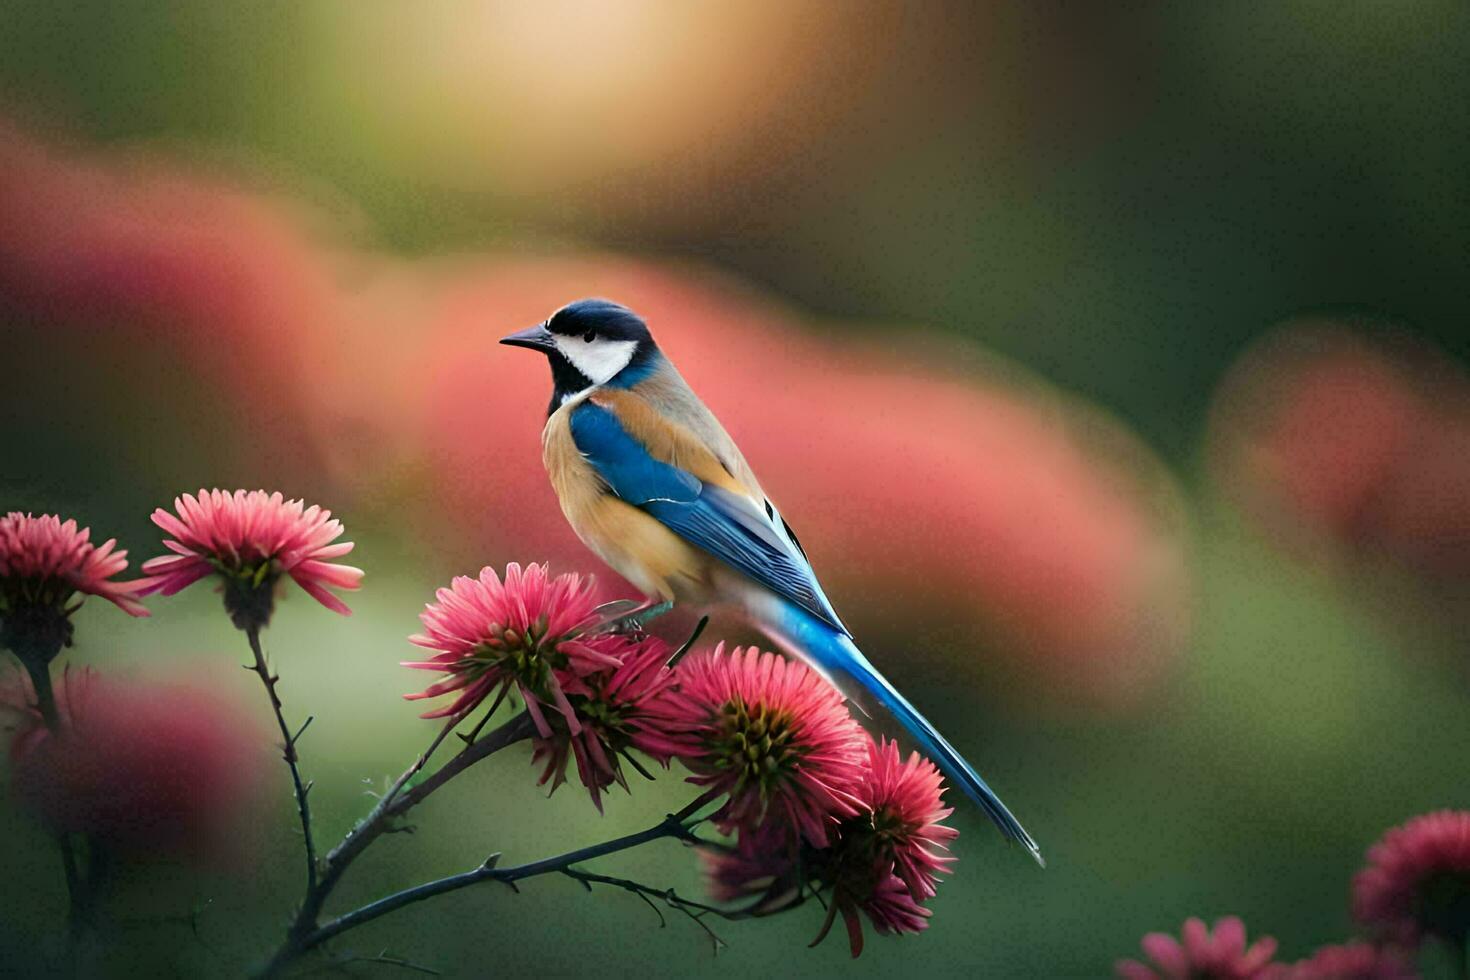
145 767
1350 439
1026 540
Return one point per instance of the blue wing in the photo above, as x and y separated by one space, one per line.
725 525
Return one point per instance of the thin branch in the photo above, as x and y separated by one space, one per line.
395 802
671 826
518 728
303 808
689 643
696 911
668 895
384 958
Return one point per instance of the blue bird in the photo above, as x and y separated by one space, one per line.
651 482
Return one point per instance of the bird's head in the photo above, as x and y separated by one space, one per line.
590 342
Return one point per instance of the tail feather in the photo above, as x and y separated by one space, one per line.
839 658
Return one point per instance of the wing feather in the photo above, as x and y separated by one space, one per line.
726 525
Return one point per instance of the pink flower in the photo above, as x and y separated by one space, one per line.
614 707
1222 955
769 732
1418 880
902 799
1351 961
882 862
762 865
142 768
527 633
250 540
43 564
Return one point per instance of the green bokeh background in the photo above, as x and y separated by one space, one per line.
1119 200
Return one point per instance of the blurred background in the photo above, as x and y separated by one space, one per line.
1109 361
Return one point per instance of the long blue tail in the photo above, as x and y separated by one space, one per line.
835 654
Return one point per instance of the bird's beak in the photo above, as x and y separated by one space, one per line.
536 338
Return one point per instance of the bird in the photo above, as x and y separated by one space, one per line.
652 483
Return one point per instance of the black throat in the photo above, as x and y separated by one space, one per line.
566 380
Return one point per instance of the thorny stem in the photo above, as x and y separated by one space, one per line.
673 825
394 803
695 911
289 740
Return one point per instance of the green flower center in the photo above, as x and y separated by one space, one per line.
756 743
528 656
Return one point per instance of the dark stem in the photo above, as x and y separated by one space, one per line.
673 825
668 895
518 728
303 808
1457 950
76 888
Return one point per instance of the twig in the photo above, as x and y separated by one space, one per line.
303 808
689 643
672 825
384 958
518 728
695 911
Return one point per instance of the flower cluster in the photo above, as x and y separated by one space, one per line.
814 803
591 692
44 563
883 860
1416 884
614 709
250 540
771 735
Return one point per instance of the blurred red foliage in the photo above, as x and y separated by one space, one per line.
218 287
145 768
1332 435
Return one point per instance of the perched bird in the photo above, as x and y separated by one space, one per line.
651 482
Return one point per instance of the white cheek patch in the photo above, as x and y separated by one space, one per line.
600 360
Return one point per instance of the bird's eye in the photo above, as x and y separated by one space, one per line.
590 336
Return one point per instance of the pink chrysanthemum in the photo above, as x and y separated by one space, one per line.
1417 881
614 707
527 632
763 865
44 562
1221 955
769 732
882 862
250 539
903 799
1351 961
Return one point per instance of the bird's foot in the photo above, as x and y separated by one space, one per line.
624 616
